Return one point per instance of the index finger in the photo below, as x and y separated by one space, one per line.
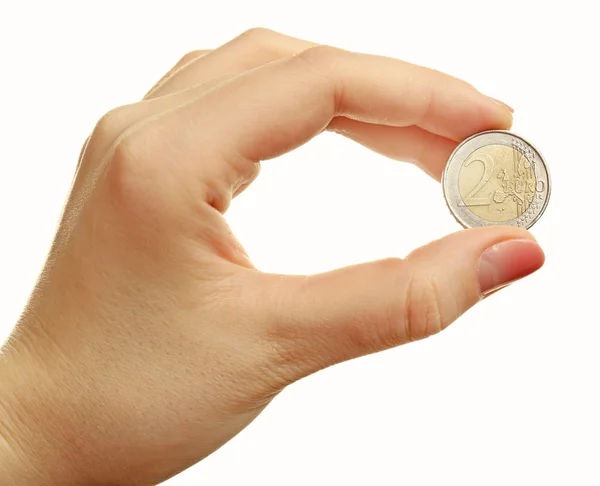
297 97
281 105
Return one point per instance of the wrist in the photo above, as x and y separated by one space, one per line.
14 465
29 455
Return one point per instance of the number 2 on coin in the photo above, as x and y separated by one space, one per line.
488 164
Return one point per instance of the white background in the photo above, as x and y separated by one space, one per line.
507 395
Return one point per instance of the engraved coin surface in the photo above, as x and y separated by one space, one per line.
496 178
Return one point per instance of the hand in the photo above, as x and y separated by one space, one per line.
150 339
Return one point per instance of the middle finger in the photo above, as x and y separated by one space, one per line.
249 50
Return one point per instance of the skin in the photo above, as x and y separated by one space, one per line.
150 339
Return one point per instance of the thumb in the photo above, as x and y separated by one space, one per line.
324 319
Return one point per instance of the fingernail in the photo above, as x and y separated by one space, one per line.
501 103
506 262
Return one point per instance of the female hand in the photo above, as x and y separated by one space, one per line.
150 339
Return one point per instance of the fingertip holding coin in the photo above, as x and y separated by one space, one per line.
496 178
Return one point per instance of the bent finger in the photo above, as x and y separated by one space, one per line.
426 150
277 107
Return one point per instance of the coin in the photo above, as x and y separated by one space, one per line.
496 178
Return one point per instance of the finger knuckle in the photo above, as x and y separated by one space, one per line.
127 150
261 45
258 35
393 265
421 313
189 57
423 146
383 326
127 176
317 63
412 309
320 56
111 124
